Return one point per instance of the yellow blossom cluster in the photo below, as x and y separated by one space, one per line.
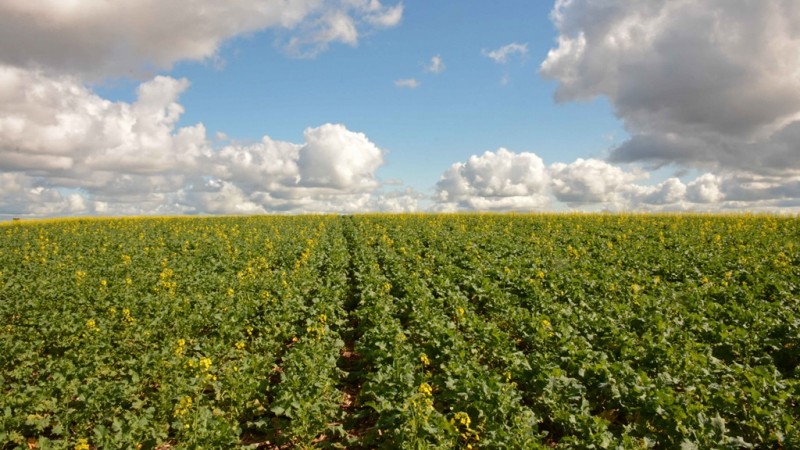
82 444
425 389
461 421
184 406
91 325
424 360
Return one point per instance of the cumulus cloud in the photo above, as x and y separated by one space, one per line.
712 84
65 150
672 191
435 65
504 53
128 37
56 126
221 197
508 181
335 157
409 83
400 201
264 166
705 189
500 180
589 181
19 192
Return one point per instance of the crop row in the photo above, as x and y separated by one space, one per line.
412 331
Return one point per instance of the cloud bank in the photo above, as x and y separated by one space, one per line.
56 136
507 181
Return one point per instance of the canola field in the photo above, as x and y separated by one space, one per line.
401 331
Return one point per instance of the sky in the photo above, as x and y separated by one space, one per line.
139 107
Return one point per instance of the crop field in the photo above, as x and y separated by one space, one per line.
401 331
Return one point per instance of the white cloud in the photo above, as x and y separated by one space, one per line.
379 15
21 195
129 37
55 125
64 150
436 65
500 180
333 170
409 83
400 201
223 197
337 158
265 166
705 189
505 180
670 192
504 53
338 27
712 84
589 181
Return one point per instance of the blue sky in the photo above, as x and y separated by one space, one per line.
304 106
466 109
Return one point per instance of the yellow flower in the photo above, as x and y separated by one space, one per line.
424 359
425 389
461 418
573 252
205 364
91 325
184 406
240 345
82 444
